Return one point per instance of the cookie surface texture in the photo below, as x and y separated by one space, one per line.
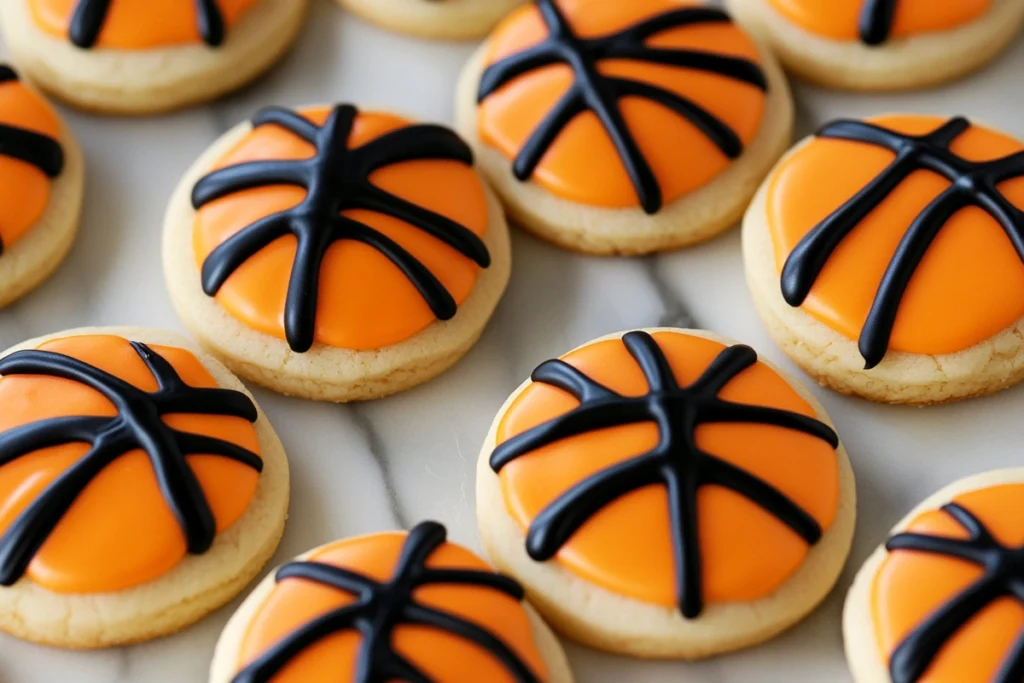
336 254
623 127
388 606
147 56
441 19
140 487
940 600
664 493
884 256
883 44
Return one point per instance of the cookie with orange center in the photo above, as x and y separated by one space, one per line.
147 56
141 487
624 127
885 257
336 254
883 44
664 493
453 19
942 601
41 179
388 607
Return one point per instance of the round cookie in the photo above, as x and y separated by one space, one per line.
883 44
662 493
141 488
147 56
885 257
334 254
941 600
624 127
41 178
451 19
388 606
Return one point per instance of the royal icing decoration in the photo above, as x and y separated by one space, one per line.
618 104
352 230
652 466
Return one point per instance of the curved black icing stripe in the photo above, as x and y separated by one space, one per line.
1003 577
337 178
593 91
40 151
676 462
383 606
90 16
138 424
971 184
876 19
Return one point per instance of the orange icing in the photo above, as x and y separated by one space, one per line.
365 301
627 546
582 165
119 533
839 19
963 290
138 24
910 585
440 655
24 189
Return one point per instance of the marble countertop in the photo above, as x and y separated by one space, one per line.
391 463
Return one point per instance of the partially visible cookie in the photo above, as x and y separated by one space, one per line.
663 493
886 257
452 19
388 607
883 44
336 254
942 599
624 127
141 488
147 56
41 178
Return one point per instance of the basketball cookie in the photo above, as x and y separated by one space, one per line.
146 56
943 600
885 257
388 607
141 487
41 179
883 44
335 254
453 19
624 127
663 493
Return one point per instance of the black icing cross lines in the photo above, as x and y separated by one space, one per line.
593 91
677 462
381 607
90 15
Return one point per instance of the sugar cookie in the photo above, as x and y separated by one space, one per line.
883 44
454 19
147 56
885 258
365 269
662 493
41 178
942 599
627 127
390 606
141 487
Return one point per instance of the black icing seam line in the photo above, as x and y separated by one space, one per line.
89 17
971 184
336 179
138 425
1003 577
381 607
876 20
593 91
676 462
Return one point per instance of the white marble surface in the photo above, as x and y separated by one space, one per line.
394 462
